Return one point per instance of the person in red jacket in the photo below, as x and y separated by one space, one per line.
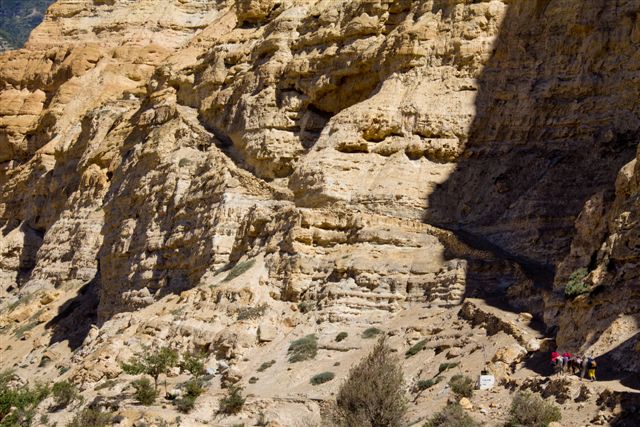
556 361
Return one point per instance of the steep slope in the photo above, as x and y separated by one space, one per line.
167 164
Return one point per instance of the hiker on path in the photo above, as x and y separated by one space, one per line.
591 366
556 361
566 356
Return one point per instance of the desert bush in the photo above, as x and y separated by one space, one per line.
64 393
252 312
266 365
462 385
341 336
371 332
107 384
91 417
233 402
529 410
415 348
152 363
303 349
253 380
191 390
145 392
17 405
322 378
373 393
444 366
452 416
239 269
576 285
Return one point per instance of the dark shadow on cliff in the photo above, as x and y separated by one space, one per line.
556 118
76 316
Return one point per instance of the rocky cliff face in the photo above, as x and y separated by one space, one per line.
356 156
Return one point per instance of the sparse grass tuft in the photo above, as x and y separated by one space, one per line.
417 347
233 402
109 384
322 378
91 417
462 385
452 416
145 392
303 349
426 384
444 366
21 330
239 269
371 333
266 365
252 312
341 336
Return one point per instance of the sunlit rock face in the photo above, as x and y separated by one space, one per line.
356 157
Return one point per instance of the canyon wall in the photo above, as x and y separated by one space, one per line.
365 153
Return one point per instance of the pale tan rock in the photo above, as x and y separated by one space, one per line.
466 404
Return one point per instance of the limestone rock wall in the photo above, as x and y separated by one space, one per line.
154 146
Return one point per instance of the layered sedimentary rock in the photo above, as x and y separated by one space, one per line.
368 153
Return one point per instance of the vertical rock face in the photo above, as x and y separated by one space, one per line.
149 145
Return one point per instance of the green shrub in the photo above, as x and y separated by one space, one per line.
444 366
194 364
91 417
252 312
373 394
238 269
341 336
322 378
145 392
371 332
530 410
191 390
462 385
152 363
17 405
306 307
266 365
233 402
452 416
64 393
303 349
426 384
415 348
576 285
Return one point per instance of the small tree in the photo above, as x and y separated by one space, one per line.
152 363
373 395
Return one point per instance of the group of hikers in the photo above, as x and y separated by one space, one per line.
576 364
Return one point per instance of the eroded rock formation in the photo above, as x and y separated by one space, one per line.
356 157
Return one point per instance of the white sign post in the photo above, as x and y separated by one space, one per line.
486 382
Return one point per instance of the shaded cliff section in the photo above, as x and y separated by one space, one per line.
558 116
